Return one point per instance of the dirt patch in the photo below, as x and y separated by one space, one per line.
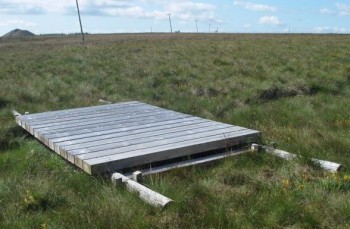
12 137
3 103
278 92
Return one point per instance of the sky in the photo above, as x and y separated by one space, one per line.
134 16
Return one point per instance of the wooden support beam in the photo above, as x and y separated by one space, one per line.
105 101
326 165
137 176
145 193
16 113
192 162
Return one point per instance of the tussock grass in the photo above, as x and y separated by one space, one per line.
293 88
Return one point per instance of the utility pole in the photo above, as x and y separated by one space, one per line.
209 27
171 27
81 26
197 25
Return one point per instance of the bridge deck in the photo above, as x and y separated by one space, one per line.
112 137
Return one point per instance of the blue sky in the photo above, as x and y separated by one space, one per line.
119 16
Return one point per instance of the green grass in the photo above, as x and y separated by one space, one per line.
295 89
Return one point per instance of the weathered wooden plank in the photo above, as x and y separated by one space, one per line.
123 132
36 123
125 119
146 147
92 119
120 161
124 143
77 111
128 135
155 141
122 128
150 121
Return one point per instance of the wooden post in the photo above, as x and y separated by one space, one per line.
145 193
137 176
16 113
105 101
326 165
256 148
81 26
171 27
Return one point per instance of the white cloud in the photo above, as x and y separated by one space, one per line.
255 7
327 11
186 11
17 23
155 9
321 29
35 6
327 29
136 12
269 20
344 9
340 30
189 6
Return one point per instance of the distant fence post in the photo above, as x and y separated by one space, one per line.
81 26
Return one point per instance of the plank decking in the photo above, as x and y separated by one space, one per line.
111 137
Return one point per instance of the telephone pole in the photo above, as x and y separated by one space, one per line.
81 26
171 27
197 25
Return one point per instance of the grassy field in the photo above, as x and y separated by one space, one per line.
295 89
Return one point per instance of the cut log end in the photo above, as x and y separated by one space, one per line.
105 101
256 148
16 113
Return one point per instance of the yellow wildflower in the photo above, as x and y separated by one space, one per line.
285 183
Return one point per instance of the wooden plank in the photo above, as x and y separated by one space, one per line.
122 128
94 121
104 122
138 157
127 143
73 133
128 135
122 133
156 141
37 123
77 111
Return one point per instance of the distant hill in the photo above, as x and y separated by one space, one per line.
19 33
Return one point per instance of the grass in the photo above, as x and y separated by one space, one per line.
293 88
